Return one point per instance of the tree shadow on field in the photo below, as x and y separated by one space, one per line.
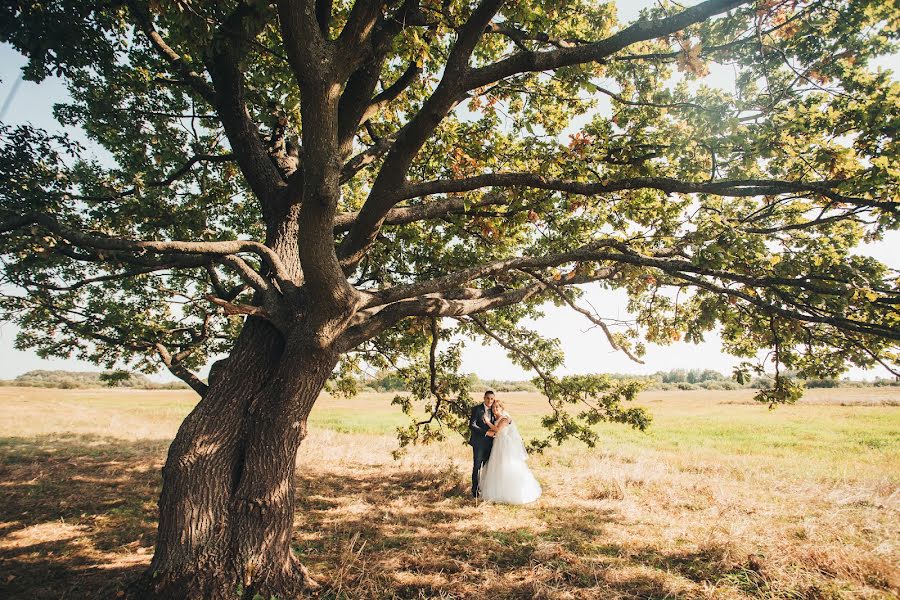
78 520
77 514
418 534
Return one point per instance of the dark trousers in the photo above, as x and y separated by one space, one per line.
480 455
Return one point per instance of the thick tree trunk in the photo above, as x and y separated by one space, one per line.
226 507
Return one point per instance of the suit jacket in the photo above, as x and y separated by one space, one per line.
478 427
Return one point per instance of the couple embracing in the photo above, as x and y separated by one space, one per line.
499 471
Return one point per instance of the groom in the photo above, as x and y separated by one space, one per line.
482 438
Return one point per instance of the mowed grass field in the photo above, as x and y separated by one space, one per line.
721 498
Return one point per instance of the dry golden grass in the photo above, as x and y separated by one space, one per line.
723 499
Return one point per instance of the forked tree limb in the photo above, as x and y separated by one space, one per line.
607 249
247 273
436 297
93 331
768 308
366 63
364 230
455 280
226 95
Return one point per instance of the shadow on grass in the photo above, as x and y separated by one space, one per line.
78 518
418 534
77 514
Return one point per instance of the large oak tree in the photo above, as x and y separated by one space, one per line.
312 186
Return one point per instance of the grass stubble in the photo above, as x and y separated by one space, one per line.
722 499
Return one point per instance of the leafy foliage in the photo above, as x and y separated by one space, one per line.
600 399
565 149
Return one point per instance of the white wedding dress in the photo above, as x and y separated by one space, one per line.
506 477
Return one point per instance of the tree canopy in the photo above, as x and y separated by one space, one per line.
439 170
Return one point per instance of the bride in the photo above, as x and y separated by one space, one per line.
506 478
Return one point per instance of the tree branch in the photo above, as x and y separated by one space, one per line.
515 349
733 187
365 158
90 330
523 62
212 248
180 371
413 135
432 375
100 278
590 316
369 323
247 273
454 280
231 308
519 36
304 41
323 16
353 43
170 179
441 296
687 271
191 77
223 63
401 215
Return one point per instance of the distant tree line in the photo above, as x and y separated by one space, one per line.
674 379
390 381
88 379
710 379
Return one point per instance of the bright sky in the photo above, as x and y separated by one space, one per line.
586 349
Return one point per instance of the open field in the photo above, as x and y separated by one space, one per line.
721 499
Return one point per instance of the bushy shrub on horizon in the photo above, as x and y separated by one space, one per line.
68 380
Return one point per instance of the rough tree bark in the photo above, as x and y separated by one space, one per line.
226 507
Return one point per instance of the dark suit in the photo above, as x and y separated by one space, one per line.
480 442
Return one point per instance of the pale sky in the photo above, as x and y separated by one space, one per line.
587 350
